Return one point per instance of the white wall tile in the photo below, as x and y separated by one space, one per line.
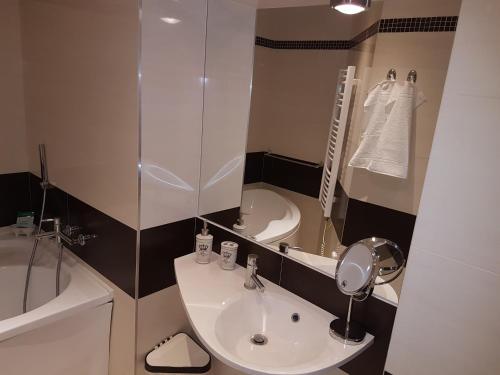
173 56
458 216
13 153
447 320
476 72
159 315
122 342
80 86
293 92
229 68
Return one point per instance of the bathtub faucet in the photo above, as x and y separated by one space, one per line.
64 236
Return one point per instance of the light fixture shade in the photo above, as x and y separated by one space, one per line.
350 6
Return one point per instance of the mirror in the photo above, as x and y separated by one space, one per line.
351 99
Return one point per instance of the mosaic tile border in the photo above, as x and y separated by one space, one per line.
422 24
387 25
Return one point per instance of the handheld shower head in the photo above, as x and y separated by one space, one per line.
44 174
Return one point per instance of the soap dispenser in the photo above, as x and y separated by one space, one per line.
203 245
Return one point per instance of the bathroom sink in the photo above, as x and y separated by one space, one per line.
274 332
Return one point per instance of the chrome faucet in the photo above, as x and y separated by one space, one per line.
284 247
56 233
251 279
64 235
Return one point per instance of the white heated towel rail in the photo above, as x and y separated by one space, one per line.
338 124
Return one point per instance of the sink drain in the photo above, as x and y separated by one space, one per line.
258 339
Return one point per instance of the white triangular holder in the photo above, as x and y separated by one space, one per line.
178 354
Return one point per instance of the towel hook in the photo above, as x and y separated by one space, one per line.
412 76
391 74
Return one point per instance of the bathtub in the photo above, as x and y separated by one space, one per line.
68 334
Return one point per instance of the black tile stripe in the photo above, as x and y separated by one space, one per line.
422 24
303 44
14 196
158 249
339 209
386 25
296 175
292 174
363 220
226 218
112 253
254 164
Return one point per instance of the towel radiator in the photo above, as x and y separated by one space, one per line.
338 124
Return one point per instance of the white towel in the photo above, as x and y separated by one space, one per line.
385 145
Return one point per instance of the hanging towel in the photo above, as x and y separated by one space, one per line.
385 145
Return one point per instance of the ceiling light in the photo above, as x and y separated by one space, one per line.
350 6
171 20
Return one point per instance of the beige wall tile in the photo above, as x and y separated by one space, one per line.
292 101
309 21
122 343
420 8
303 23
83 104
429 54
398 194
13 155
362 58
159 315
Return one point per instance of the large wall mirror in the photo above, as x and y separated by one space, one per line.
268 116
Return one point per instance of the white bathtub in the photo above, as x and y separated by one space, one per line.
68 334
269 217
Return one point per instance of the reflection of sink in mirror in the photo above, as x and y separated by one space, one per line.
269 217
388 292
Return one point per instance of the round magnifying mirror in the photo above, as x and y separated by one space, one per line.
391 258
355 269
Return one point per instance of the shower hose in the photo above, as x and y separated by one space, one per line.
33 254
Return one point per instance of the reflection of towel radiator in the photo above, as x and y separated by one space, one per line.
338 123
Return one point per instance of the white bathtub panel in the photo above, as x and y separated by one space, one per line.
78 345
84 292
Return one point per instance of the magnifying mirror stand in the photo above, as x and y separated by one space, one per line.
351 333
